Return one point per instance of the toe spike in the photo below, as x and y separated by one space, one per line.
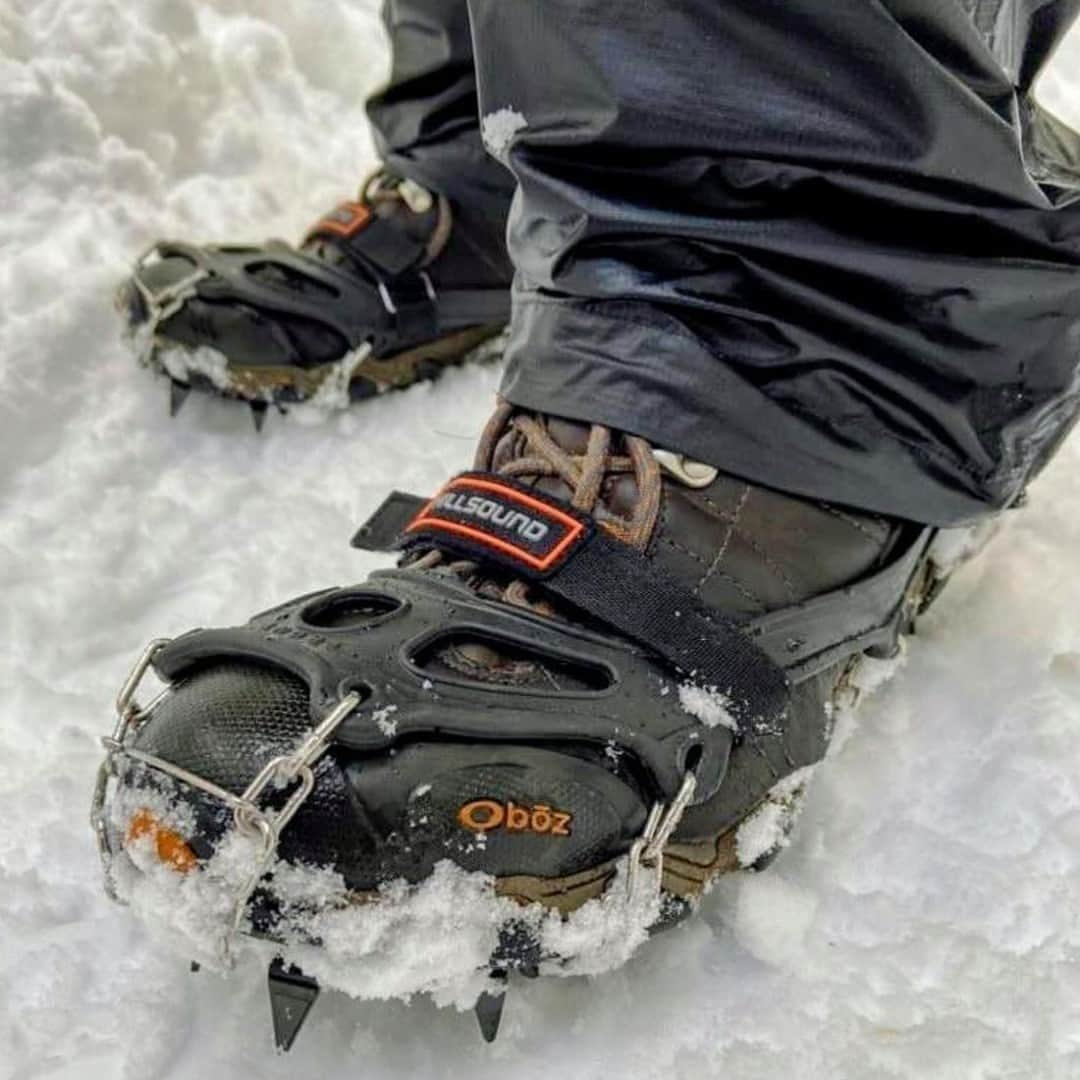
258 413
489 1006
292 994
518 950
178 393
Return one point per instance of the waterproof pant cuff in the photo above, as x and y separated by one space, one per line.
634 367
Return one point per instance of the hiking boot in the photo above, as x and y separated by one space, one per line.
383 291
600 671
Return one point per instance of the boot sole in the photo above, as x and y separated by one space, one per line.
289 385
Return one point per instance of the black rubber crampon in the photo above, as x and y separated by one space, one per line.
277 325
559 769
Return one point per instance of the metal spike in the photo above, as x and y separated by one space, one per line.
258 413
292 994
518 949
178 393
489 1006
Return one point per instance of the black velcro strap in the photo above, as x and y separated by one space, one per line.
620 587
487 517
380 246
497 520
410 299
383 529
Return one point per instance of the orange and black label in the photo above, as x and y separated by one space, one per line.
488 516
346 219
486 815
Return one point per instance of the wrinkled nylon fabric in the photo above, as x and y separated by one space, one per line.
426 120
830 247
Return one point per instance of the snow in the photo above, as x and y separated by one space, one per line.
381 718
707 704
434 938
182 363
925 921
769 826
498 129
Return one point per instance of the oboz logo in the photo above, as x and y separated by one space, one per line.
475 506
484 815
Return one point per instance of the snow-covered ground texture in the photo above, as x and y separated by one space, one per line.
925 921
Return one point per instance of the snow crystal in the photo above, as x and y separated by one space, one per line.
189 911
871 674
435 937
382 720
603 934
333 392
708 705
769 827
498 129
181 364
774 920
951 547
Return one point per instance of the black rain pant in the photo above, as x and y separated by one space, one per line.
831 246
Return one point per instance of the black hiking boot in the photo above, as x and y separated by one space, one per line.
595 664
383 292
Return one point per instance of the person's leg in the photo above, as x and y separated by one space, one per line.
426 120
385 289
823 246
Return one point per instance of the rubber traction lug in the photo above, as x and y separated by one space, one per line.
258 413
489 1007
178 394
292 994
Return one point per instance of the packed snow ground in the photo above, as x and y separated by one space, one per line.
926 921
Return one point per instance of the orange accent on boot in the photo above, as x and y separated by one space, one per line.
171 848
533 514
484 815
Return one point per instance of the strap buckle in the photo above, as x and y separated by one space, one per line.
646 857
410 300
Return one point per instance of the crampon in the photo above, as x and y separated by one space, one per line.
385 290
552 722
